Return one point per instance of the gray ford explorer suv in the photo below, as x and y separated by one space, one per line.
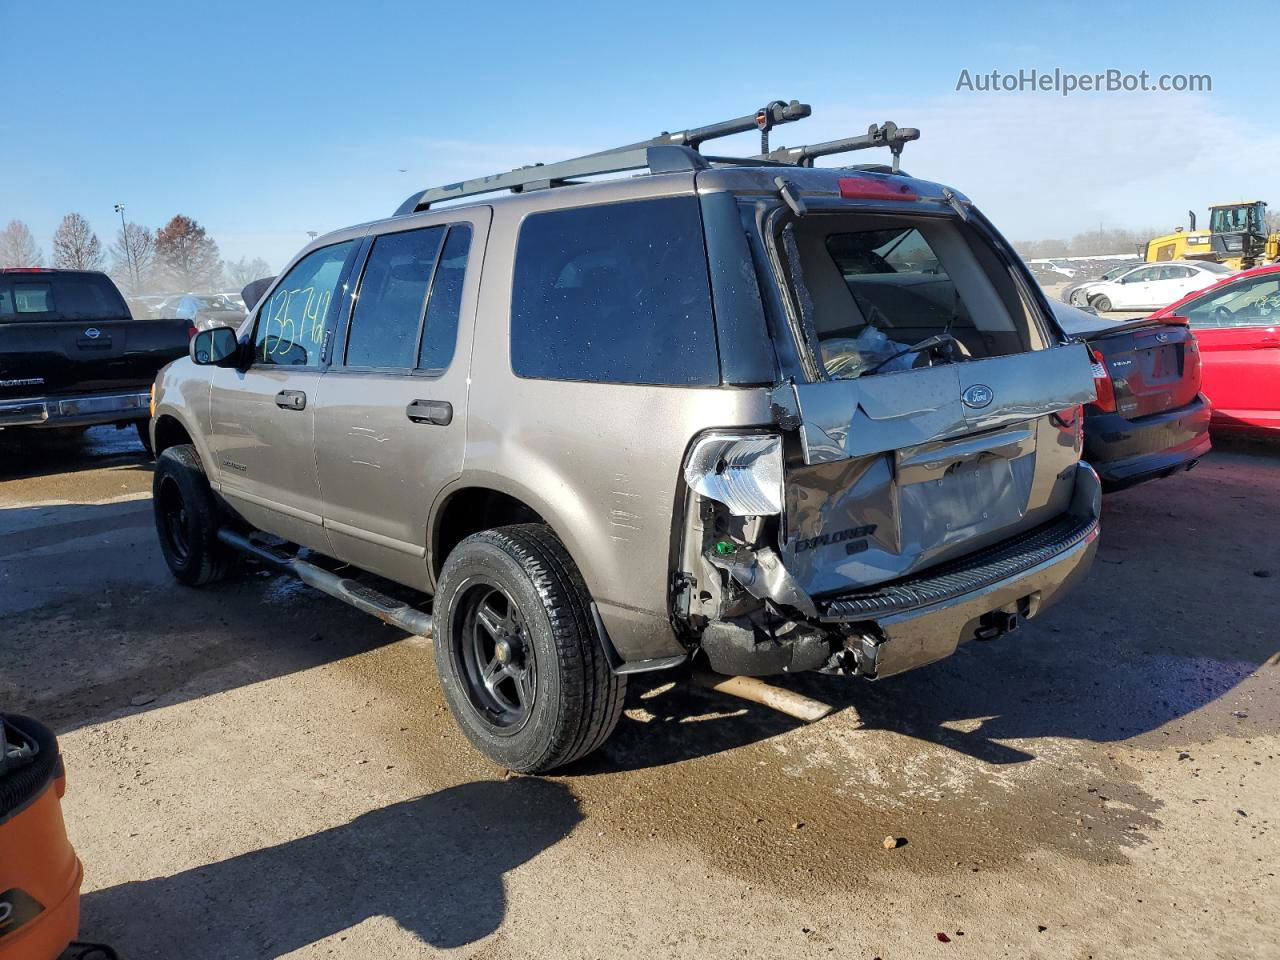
770 416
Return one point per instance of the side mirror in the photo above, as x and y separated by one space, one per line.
217 347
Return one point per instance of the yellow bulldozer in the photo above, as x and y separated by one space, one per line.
1237 237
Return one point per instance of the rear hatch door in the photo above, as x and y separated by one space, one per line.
909 456
899 471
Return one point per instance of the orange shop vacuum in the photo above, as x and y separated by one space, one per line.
39 871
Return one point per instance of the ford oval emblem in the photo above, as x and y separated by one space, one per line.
93 333
977 396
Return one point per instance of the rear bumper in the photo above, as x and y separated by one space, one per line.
1126 452
916 621
77 409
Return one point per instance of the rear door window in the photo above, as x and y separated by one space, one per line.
440 332
391 299
616 293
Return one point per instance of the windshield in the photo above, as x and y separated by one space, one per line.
889 293
1215 267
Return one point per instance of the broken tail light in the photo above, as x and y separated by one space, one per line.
1105 389
741 471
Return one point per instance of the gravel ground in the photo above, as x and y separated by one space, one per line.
256 770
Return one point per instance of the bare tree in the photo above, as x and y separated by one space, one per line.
76 246
187 256
240 273
133 259
18 247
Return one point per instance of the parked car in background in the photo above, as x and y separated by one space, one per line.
1150 418
206 311
1073 293
1048 273
581 419
72 356
1152 285
1237 323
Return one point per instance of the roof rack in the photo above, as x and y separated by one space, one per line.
669 153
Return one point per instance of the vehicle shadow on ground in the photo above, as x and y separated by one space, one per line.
1177 612
39 453
434 864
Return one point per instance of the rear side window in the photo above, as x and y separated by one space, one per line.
392 297
616 293
293 321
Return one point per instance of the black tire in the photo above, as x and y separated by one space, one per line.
1101 304
144 435
187 518
553 699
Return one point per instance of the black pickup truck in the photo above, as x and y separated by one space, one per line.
72 356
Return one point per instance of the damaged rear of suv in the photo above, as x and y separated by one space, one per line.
923 485
740 410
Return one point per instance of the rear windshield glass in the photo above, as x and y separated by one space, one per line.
54 296
881 294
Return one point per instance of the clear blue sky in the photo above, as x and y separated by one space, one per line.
265 120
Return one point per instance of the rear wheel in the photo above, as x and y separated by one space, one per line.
518 653
1101 304
187 518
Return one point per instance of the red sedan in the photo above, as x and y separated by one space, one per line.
1237 324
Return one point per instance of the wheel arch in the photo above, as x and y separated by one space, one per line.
474 507
168 431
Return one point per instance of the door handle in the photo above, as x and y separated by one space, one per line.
291 400
436 412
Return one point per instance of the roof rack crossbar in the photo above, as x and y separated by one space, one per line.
887 135
764 120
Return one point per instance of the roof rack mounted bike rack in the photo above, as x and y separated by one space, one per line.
665 153
888 135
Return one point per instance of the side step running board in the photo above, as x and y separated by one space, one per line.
358 595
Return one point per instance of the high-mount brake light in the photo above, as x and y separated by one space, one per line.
26 270
1102 383
864 188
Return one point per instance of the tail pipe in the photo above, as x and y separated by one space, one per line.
359 595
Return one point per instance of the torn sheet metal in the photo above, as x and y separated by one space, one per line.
843 419
762 574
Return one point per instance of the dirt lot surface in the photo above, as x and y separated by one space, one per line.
256 770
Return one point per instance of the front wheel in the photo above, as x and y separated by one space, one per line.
187 519
518 653
1101 304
